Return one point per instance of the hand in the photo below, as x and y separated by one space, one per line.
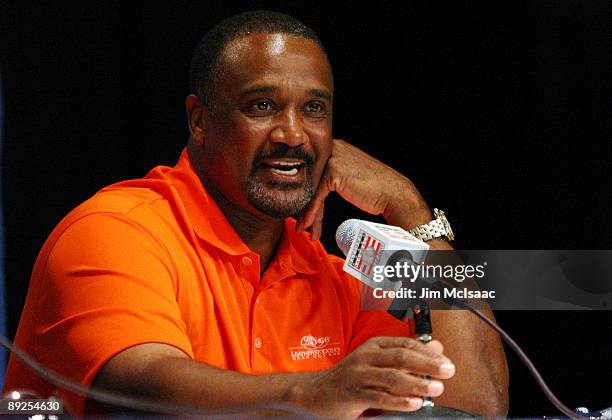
369 185
383 373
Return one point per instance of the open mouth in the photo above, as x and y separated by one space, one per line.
283 167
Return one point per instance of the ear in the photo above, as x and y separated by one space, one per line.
195 120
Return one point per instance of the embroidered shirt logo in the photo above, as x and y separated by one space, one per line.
312 347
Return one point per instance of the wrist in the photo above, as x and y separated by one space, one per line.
407 207
407 215
298 392
440 244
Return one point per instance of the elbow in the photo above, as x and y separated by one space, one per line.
499 400
504 402
497 405
499 408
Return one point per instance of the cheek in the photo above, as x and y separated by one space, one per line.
320 136
226 165
234 146
246 138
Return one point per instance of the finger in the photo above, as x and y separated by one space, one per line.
436 346
316 203
373 398
430 349
402 383
410 354
312 209
414 361
317 227
385 342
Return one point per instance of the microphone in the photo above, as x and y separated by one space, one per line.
369 247
364 245
375 253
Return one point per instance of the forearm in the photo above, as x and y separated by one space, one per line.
187 382
481 382
375 375
180 380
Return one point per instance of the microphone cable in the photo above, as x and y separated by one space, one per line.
583 413
525 359
463 303
116 399
142 404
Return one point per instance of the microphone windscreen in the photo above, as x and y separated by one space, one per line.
345 234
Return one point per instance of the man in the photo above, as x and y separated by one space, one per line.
184 284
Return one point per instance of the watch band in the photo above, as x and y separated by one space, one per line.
434 229
427 232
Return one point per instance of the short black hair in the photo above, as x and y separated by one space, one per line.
206 56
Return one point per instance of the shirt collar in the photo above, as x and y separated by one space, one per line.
295 250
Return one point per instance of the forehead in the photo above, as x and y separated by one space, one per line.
278 59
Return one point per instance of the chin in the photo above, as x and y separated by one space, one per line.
280 203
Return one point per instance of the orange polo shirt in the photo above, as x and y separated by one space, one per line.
155 260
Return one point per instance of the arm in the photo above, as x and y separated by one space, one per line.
481 382
116 323
373 376
162 372
475 349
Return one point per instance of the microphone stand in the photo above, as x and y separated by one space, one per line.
422 329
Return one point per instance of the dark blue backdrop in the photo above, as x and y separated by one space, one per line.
2 306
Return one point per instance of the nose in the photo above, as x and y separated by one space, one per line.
290 129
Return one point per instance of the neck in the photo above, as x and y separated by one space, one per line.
261 236
260 233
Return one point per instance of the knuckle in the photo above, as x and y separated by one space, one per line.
433 365
381 399
360 357
391 381
410 343
421 386
395 380
401 358
367 355
372 342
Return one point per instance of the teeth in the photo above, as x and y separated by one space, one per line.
289 164
285 172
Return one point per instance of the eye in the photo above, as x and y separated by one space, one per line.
315 108
263 105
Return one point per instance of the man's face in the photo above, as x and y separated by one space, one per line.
270 135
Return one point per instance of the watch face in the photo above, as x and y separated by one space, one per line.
449 232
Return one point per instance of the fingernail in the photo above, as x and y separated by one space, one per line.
435 388
415 403
447 369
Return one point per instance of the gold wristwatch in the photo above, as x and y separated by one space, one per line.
434 229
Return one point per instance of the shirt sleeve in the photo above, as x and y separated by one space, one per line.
107 285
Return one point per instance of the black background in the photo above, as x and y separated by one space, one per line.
498 111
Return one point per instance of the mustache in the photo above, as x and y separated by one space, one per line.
284 152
